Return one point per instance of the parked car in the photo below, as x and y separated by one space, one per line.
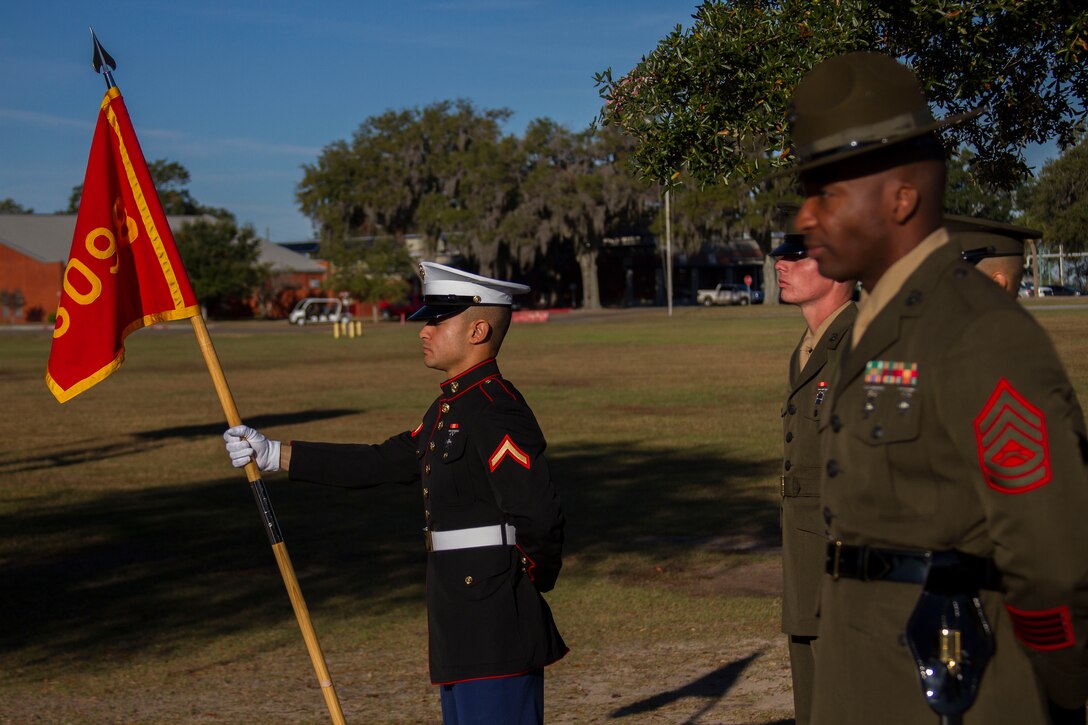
1062 290
393 310
1027 289
318 309
728 294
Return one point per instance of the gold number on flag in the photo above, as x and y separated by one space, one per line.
111 245
125 225
62 322
96 284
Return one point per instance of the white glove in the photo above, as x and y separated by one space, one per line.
245 443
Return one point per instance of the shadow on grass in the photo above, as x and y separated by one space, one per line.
258 421
626 498
173 566
710 688
94 450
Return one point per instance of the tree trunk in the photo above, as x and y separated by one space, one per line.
591 295
770 282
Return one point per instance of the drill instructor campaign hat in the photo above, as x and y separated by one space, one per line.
981 238
448 291
857 103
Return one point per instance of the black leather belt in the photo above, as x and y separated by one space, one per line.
869 563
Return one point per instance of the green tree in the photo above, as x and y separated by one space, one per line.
711 101
1059 202
10 206
575 191
371 270
968 196
416 170
222 261
170 179
516 208
445 171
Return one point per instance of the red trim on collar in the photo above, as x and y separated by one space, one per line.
463 373
475 385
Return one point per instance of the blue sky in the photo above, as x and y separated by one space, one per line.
244 93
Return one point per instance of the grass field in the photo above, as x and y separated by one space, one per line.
138 586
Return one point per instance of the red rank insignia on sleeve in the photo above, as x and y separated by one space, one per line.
1044 629
508 448
1013 451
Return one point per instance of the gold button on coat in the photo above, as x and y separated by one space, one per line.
427 468
445 407
426 492
431 445
468 581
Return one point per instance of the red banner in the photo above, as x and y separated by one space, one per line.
123 272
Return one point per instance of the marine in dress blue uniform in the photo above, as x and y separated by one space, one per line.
494 524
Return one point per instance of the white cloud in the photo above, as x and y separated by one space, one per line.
38 119
169 137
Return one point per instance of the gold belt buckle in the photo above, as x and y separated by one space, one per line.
427 539
835 561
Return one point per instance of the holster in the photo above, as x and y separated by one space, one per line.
949 636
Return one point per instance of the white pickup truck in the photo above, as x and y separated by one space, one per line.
728 294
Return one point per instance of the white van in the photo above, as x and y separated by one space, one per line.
318 309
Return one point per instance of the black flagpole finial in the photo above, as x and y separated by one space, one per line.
102 60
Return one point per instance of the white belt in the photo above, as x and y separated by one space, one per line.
497 535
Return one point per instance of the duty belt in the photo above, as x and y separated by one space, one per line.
869 563
497 535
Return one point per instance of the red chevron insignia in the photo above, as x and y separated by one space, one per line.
508 448
1013 450
1043 629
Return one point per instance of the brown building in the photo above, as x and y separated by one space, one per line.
293 277
34 251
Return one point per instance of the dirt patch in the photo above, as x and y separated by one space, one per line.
755 570
743 680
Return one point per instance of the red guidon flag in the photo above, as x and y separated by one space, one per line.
123 272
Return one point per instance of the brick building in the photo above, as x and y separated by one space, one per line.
34 251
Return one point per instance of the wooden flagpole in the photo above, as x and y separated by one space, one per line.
275 537
103 63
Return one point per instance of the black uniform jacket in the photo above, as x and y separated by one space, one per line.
478 456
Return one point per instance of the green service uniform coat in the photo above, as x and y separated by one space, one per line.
478 458
804 539
954 426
